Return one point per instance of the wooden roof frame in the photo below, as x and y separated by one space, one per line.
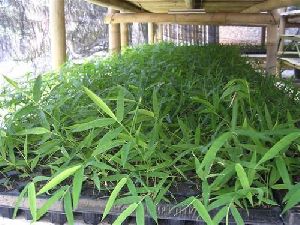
252 19
247 6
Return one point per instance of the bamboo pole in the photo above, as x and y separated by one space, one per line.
159 32
57 33
255 19
272 40
150 33
114 35
124 35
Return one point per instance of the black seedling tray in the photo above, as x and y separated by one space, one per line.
90 210
292 217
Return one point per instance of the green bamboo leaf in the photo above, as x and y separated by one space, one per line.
204 102
125 152
127 200
151 208
223 177
242 176
212 151
283 171
140 214
11 82
100 165
32 201
197 135
143 112
126 213
155 103
268 118
106 143
221 200
243 180
205 192
37 92
54 198
35 130
77 185
198 168
113 196
234 114
59 178
100 103
279 146
19 199
203 213
293 200
98 123
220 215
236 215
26 148
68 208
120 105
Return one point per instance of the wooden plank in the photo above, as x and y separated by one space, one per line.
201 18
291 37
270 5
118 5
291 62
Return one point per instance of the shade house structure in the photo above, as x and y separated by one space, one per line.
263 13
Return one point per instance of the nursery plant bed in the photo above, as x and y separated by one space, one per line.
90 210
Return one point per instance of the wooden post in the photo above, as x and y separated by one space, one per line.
114 35
160 31
282 26
124 34
57 33
272 40
150 33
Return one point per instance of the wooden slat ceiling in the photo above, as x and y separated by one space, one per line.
164 6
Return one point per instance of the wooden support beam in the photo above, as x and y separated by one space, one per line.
57 33
270 5
272 42
190 4
258 19
117 5
150 33
114 35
